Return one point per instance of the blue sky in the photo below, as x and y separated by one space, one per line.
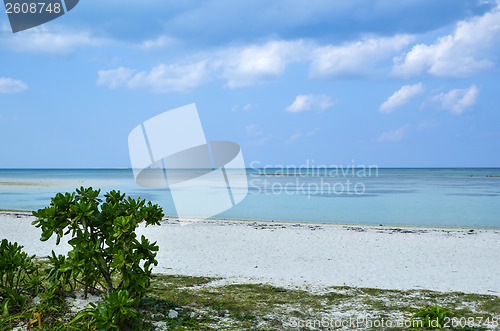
388 83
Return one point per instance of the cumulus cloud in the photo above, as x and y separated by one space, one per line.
60 41
9 85
458 101
160 79
395 135
254 64
470 49
258 63
401 97
166 78
355 58
308 102
241 67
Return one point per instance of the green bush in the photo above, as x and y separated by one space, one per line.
116 312
433 316
19 282
18 277
106 254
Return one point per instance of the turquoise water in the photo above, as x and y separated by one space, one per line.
418 197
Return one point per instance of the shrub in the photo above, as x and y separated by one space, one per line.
18 277
116 312
106 254
19 281
433 316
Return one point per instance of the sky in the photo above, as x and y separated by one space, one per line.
407 83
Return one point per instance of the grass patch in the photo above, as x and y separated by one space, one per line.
267 307
179 302
176 281
491 306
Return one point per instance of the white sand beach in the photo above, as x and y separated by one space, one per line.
311 255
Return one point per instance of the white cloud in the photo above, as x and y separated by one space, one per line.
308 102
174 77
355 58
42 40
244 66
114 77
458 100
395 135
159 42
9 85
254 64
160 79
470 49
400 97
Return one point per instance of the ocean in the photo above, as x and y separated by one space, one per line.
464 198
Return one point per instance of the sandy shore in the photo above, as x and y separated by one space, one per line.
25 184
311 255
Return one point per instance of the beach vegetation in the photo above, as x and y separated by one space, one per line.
105 252
266 307
107 257
18 278
117 311
433 316
180 302
492 305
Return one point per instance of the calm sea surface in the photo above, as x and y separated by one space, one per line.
420 197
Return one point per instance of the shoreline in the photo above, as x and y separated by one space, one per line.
382 226
311 256
27 184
